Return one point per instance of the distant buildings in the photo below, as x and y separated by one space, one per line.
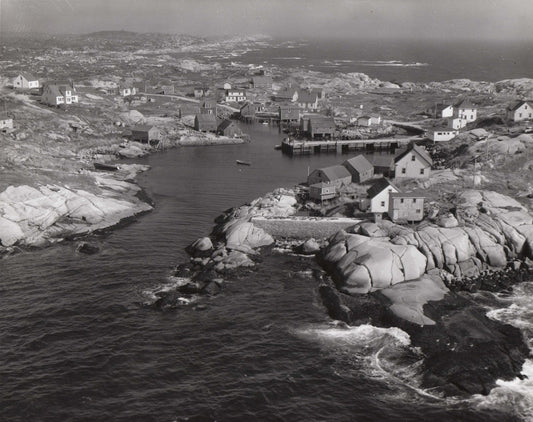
145 134
56 95
287 94
368 120
360 168
235 95
519 111
205 123
406 206
415 162
335 175
25 81
261 81
126 91
6 123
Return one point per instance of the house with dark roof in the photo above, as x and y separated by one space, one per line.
441 111
25 80
201 91
337 175
145 134
465 110
307 100
59 94
228 128
322 191
415 162
383 164
261 81
406 206
208 106
287 94
288 113
249 110
205 123
379 195
519 111
360 168
321 126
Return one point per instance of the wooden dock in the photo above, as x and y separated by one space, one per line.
300 147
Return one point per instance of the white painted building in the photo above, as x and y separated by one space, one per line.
465 110
235 95
56 95
25 81
369 120
127 91
442 134
6 123
519 111
456 123
379 195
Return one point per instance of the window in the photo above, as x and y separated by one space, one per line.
413 158
382 203
418 211
401 201
404 171
421 171
414 200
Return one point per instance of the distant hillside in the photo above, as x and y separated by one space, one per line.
113 34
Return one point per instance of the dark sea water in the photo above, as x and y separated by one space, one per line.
76 344
400 61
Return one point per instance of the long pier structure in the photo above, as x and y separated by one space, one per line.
304 147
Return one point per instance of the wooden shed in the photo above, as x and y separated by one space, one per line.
145 134
205 123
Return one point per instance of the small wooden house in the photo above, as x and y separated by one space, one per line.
322 191
337 175
201 91
368 121
56 95
456 123
205 123
519 111
321 127
287 94
261 81
383 164
307 100
288 113
145 134
228 128
6 123
442 134
249 109
360 168
25 80
465 110
415 162
379 195
406 206
441 111
208 107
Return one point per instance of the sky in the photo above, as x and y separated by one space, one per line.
381 19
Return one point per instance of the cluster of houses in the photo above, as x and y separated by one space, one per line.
383 195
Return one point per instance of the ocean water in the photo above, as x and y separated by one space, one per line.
400 61
78 343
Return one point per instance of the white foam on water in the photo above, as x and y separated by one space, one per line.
172 284
390 63
516 396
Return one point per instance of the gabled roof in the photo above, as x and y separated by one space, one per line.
378 160
206 118
516 105
305 96
441 106
464 103
420 151
379 186
261 79
208 104
335 172
54 90
225 124
414 194
28 76
141 128
359 163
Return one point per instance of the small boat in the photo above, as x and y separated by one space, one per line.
243 163
108 167
277 147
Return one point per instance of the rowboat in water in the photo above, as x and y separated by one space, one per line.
243 163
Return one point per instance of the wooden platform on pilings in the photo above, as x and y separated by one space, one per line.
299 147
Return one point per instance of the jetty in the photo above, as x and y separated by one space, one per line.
304 147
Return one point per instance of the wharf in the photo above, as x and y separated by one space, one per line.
301 147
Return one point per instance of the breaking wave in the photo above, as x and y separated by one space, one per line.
153 295
390 63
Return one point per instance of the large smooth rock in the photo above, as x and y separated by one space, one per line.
246 234
201 247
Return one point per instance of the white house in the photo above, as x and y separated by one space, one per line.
56 95
441 111
235 95
442 134
6 123
126 91
415 162
456 123
518 111
368 120
379 195
465 110
25 81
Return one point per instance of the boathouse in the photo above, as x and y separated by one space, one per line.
415 162
322 191
249 110
406 206
337 175
228 128
519 111
205 123
360 168
321 127
288 113
145 134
